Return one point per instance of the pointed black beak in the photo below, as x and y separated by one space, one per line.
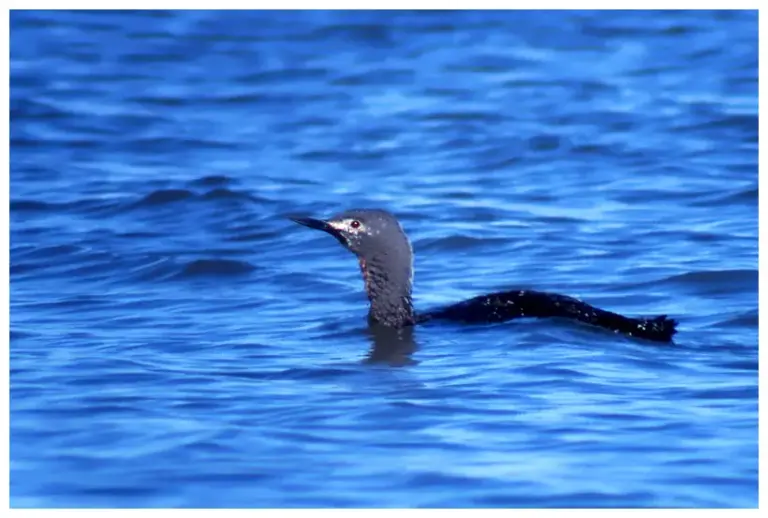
314 223
319 224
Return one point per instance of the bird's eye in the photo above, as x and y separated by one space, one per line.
355 224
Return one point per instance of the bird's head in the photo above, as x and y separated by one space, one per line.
368 233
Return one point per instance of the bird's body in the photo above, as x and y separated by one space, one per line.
386 262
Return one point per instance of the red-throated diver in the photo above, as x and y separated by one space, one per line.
386 260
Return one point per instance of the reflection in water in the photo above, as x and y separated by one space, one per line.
392 346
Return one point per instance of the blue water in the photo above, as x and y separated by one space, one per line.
177 341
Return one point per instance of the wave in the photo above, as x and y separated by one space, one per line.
214 267
212 181
163 196
714 276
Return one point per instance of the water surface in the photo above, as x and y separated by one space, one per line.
177 341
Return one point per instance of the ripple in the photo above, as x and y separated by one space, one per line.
458 116
165 196
285 75
545 143
43 250
750 319
714 275
728 199
213 181
215 267
715 280
228 194
172 144
460 242
18 335
31 205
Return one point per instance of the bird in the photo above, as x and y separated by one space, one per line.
385 255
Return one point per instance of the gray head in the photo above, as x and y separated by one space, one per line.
386 259
366 233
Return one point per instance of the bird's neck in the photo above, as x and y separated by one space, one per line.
389 291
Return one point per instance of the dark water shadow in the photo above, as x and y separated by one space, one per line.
391 346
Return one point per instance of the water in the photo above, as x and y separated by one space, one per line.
176 341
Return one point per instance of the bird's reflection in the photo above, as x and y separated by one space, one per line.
391 346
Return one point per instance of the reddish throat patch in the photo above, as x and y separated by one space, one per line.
364 270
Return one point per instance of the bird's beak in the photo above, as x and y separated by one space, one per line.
314 223
319 224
